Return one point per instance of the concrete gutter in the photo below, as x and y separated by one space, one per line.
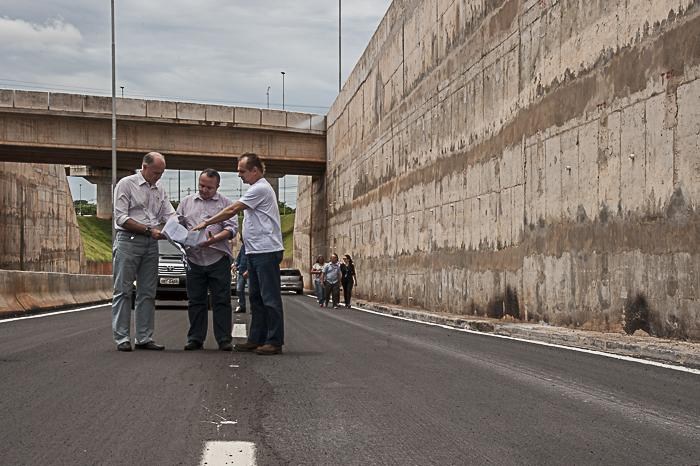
675 352
22 292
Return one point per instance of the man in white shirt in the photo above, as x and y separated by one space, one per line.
209 264
140 207
264 251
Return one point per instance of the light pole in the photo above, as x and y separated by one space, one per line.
122 88
283 73
114 116
268 97
80 202
340 62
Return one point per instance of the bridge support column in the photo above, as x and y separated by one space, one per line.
104 197
101 177
274 181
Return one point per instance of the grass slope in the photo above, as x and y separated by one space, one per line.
288 235
96 234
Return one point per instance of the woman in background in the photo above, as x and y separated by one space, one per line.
316 270
349 279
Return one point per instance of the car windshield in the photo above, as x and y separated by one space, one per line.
290 273
167 249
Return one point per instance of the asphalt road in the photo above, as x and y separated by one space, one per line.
351 388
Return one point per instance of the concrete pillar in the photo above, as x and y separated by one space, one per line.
274 181
102 177
104 197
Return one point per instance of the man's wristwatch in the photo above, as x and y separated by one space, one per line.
148 231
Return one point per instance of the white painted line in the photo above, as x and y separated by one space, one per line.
235 453
239 331
50 314
541 343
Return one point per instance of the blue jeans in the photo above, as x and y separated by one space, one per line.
134 258
318 288
217 279
265 295
240 290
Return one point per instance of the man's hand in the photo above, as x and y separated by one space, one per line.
201 226
208 242
245 274
156 234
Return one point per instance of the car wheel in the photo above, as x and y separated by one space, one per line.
300 291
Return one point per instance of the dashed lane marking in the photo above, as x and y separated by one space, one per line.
234 453
239 331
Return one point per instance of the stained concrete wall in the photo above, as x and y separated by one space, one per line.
309 225
22 292
38 226
537 158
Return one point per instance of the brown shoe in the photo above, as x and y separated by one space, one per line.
246 347
267 350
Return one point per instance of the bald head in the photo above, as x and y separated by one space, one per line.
153 167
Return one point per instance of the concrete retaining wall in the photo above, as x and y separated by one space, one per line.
38 227
537 158
31 291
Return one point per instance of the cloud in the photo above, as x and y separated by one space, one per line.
223 51
54 34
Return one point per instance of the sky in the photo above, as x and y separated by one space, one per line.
209 51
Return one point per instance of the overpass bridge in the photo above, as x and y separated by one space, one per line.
75 129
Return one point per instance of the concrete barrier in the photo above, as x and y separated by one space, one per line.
33 291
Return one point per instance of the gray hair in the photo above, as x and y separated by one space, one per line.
151 157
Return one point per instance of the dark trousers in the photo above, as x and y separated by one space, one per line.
331 290
265 298
347 291
216 278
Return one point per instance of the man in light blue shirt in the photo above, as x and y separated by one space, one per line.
209 264
330 277
264 252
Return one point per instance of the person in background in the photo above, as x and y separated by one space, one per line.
242 277
330 275
264 251
209 264
316 270
349 280
141 206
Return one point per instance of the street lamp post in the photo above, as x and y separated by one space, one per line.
340 62
80 202
114 117
283 73
122 88
268 97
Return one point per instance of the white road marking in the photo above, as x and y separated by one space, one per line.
541 343
50 314
239 331
235 453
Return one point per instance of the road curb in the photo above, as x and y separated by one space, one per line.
681 353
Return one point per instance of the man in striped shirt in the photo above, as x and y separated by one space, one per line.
209 263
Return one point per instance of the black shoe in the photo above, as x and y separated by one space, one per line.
225 346
124 346
151 345
193 345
